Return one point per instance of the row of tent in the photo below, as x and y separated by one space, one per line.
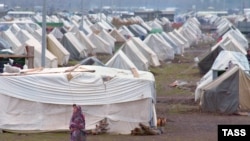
119 90
75 42
225 68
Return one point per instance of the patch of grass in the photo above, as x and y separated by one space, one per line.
64 136
169 73
180 108
72 62
179 91
35 137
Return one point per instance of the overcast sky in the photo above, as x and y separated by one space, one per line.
156 4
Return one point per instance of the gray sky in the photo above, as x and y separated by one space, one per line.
74 5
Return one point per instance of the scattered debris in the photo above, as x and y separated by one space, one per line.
243 113
146 130
161 121
102 128
178 83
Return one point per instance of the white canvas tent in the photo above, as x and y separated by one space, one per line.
23 36
154 24
147 52
181 37
41 100
14 28
190 36
223 27
125 32
37 34
108 38
85 41
194 29
194 24
228 42
57 33
75 48
159 46
135 55
179 50
121 61
73 29
16 45
102 46
29 25
4 44
107 22
237 35
181 45
233 45
146 26
117 36
138 30
51 60
28 40
56 48
85 27
75 22
102 25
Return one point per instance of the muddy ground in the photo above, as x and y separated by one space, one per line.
185 120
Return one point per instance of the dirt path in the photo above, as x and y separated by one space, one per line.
199 126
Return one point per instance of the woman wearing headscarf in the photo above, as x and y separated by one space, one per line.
77 125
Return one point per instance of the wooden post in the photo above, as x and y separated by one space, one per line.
30 56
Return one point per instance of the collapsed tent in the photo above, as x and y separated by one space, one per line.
41 100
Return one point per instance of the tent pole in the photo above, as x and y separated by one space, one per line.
43 34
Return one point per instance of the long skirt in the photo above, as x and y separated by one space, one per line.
77 135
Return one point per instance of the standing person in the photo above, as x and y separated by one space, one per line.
248 55
77 125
